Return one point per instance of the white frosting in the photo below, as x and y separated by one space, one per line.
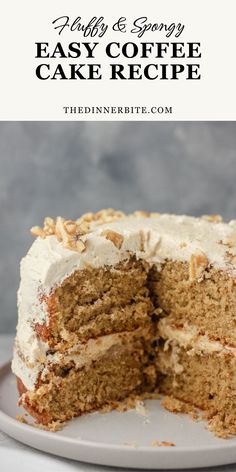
48 263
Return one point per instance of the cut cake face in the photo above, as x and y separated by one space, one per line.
112 306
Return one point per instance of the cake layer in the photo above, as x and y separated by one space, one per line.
208 304
67 390
206 381
95 302
201 372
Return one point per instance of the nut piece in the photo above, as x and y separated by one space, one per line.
49 225
79 246
141 213
38 232
103 216
157 443
68 232
116 238
212 218
87 217
197 266
60 230
107 216
70 226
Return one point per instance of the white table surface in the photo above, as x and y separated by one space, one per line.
15 456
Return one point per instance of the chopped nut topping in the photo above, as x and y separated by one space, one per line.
116 238
49 225
67 232
212 218
38 232
70 226
143 214
198 263
60 230
88 217
102 216
79 246
107 216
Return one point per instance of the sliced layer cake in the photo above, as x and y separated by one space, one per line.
112 306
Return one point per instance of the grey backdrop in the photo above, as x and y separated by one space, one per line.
69 168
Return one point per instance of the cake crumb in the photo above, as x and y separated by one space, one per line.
216 426
22 419
157 443
140 408
177 406
52 427
130 402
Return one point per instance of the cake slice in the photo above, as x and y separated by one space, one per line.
112 306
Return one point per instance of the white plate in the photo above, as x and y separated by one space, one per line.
120 439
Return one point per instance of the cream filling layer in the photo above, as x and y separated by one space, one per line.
189 338
80 355
84 353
